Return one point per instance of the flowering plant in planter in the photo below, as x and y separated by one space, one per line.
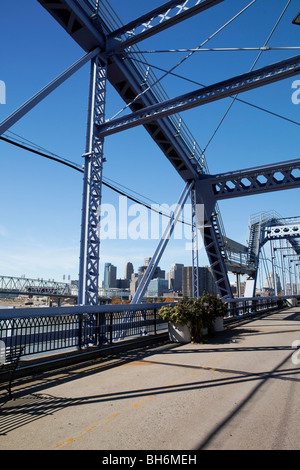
198 314
213 308
179 314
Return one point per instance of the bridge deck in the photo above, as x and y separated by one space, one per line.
239 391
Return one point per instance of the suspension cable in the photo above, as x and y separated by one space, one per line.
183 60
255 62
220 49
78 168
201 85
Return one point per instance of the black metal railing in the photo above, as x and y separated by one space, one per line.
245 306
44 330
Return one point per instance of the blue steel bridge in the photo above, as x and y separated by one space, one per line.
218 395
266 228
111 49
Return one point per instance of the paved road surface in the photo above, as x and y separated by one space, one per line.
239 391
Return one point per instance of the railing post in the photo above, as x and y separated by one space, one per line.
111 327
80 331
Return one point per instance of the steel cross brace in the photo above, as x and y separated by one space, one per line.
157 20
44 92
218 91
211 188
148 275
282 231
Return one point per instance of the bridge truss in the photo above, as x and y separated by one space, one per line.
39 287
108 49
274 249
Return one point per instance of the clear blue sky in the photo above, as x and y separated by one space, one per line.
40 211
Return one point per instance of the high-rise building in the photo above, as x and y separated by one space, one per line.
174 277
157 273
128 271
205 277
110 276
134 282
157 287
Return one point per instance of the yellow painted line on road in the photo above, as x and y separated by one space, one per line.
84 434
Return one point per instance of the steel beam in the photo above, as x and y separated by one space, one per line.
216 261
218 91
155 21
148 275
282 231
75 16
212 239
257 180
195 257
42 94
92 189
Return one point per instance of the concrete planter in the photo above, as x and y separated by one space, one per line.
219 324
182 333
179 333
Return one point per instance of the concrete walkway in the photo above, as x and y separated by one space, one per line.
239 391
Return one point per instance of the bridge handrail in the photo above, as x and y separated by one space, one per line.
44 330
8 313
261 298
25 312
239 307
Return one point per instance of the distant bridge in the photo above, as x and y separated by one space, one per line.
23 286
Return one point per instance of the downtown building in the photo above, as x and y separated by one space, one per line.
174 277
206 281
110 276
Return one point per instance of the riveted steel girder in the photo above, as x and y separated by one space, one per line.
257 180
248 81
92 189
156 20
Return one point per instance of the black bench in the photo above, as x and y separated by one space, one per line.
9 367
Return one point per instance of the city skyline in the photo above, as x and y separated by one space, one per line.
177 280
41 211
